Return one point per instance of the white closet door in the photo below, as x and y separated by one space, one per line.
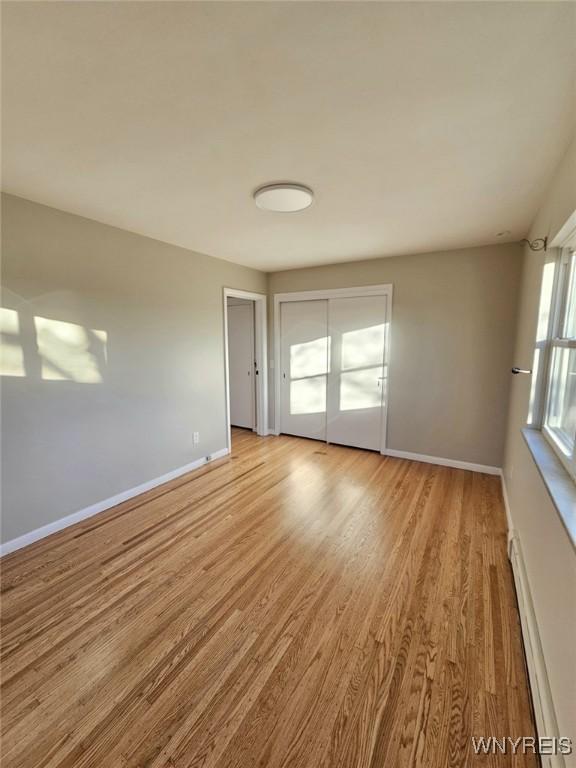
356 381
241 364
304 368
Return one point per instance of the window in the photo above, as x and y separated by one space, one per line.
553 401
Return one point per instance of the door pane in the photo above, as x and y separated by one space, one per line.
355 389
360 389
304 365
309 358
308 395
362 347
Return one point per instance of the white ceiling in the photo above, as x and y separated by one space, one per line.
420 126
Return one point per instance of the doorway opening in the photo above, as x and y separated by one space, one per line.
245 354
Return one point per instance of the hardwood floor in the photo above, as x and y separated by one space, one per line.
297 604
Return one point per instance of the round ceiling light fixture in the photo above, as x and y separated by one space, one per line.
284 198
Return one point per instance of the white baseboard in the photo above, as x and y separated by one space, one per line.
100 506
484 468
544 712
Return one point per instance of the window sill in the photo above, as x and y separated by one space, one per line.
560 486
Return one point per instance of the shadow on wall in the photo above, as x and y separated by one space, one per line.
48 349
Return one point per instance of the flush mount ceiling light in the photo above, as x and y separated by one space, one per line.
284 198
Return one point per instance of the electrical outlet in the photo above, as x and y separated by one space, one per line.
196 438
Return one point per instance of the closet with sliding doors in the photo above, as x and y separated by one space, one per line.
332 349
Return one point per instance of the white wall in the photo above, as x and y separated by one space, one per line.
453 318
549 556
159 376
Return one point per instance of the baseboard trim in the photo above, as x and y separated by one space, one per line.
101 506
483 468
544 712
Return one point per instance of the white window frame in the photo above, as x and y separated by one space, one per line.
565 246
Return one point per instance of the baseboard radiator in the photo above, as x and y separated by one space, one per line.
546 722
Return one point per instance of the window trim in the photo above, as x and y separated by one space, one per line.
540 400
539 394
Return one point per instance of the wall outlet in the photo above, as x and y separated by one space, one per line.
196 438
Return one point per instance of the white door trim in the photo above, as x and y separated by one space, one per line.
260 346
332 293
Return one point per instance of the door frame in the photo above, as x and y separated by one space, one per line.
243 317
333 293
261 354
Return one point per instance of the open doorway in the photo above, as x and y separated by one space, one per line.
245 361
241 362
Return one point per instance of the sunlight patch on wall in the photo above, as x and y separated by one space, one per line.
360 389
11 354
70 352
308 395
363 347
309 358
309 364
362 368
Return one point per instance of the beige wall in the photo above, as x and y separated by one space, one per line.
548 553
67 444
453 319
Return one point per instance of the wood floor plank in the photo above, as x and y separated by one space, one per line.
295 604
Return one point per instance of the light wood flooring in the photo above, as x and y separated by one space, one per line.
294 605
